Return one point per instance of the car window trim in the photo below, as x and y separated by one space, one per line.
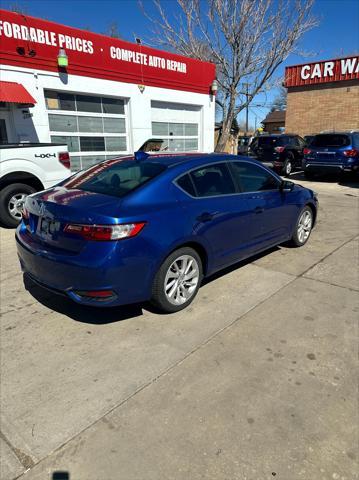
239 192
188 172
265 170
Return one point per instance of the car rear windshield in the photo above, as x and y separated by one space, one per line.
275 141
115 177
330 140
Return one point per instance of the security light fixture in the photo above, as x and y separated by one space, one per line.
214 87
62 59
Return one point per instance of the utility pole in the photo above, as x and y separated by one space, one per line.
247 108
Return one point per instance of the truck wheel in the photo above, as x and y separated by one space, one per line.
12 198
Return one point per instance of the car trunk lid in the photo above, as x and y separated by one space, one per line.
48 213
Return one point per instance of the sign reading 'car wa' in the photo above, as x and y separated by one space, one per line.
340 69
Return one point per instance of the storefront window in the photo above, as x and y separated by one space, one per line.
178 137
86 103
97 124
63 123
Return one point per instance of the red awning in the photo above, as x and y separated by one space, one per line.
12 92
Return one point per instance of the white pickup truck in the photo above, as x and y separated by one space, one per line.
27 168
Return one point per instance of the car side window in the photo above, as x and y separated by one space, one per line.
185 182
356 140
301 141
213 180
252 178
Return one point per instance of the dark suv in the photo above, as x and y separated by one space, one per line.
332 153
283 153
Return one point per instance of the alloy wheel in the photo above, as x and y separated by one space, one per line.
181 279
304 226
288 167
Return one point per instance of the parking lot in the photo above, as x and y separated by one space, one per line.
255 380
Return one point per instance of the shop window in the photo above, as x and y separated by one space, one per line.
191 144
90 124
63 123
115 143
71 142
176 129
95 123
159 128
178 137
113 105
92 144
191 129
87 103
114 125
60 101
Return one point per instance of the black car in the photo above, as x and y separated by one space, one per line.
243 145
283 153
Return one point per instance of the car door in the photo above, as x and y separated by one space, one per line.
299 146
217 212
270 212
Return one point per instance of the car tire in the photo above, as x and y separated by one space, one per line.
288 166
173 289
11 199
303 227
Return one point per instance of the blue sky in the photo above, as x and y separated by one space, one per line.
337 34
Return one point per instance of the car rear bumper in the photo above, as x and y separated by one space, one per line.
330 167
130 278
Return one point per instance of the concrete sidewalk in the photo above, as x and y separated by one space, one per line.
256 380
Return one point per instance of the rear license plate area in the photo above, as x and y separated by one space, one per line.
49 228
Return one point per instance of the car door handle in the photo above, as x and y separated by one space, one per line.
259 210
205 217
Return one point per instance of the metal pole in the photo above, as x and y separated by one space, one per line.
247 109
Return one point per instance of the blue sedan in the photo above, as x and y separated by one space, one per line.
145 227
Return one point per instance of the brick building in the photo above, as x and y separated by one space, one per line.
274 121
323 96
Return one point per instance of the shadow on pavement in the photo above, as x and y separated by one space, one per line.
350 180
80 313
240 264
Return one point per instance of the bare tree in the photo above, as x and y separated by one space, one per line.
280 101
246 39
113 31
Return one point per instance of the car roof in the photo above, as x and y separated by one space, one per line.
278 135
348 132
171 160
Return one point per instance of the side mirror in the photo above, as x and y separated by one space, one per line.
286 186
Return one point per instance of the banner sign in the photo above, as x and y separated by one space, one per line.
34 43
340 69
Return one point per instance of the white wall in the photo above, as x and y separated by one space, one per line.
36 128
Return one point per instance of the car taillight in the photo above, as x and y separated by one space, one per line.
279 149
105 232
351 153
64 158
306 151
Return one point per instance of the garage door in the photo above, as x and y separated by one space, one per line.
179 125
